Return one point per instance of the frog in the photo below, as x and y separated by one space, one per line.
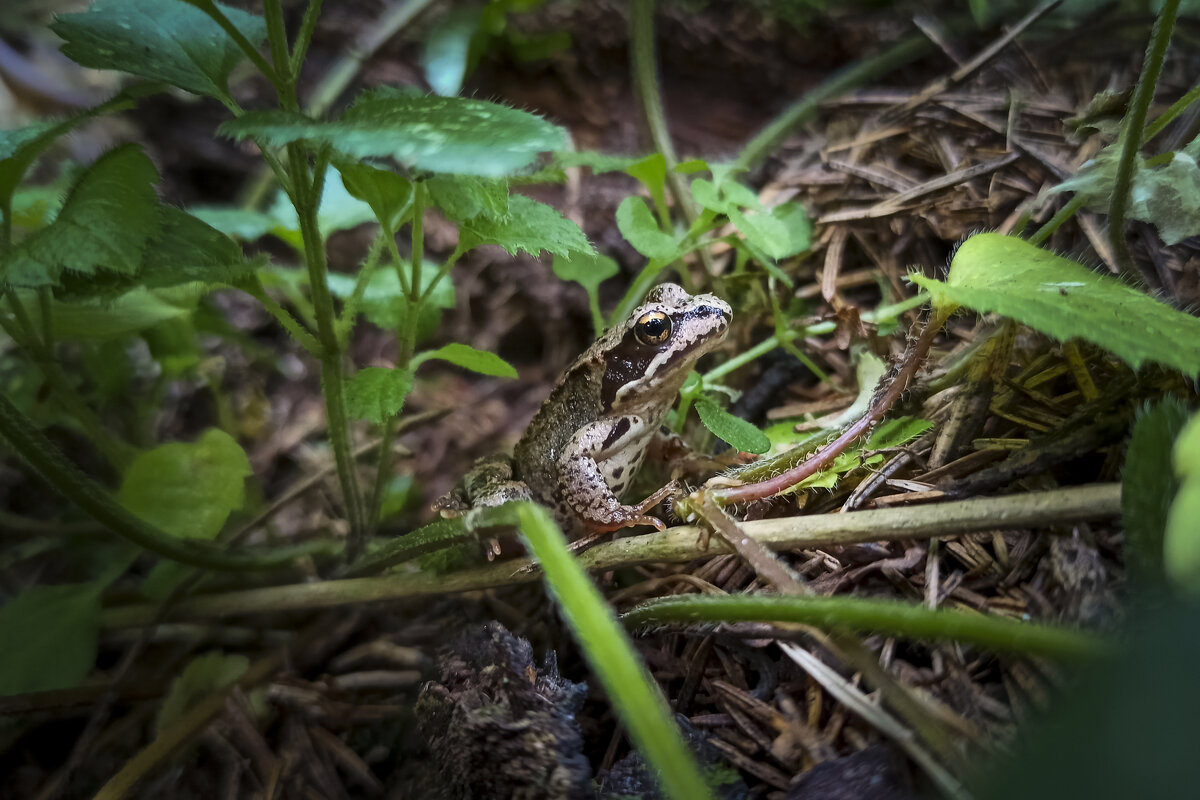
587 441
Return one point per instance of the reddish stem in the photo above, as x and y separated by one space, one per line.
879 406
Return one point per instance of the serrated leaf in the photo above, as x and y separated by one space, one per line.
589 270
168 41
464 197
1148 485
736 431
389 195
188 489
1065 300
530 226
447 48
49 635
641 230
439 134
202 676
377 393
1181 542
468 357
104 224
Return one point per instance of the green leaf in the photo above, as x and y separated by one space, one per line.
530 226
104 224
468 357
389 195
438 134
1148 485
188 488
896 432
397 496
377 393
463 197
107 318
240 223
598 162
1065 300
203 675
447 50
795 220
762 231
384 302
641 230
49 635
339 210
736 431
168 41
20 147
652 172
589 270
1181 542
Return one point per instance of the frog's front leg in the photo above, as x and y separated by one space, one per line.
488 483
598 463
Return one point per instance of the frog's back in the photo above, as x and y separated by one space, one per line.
574 403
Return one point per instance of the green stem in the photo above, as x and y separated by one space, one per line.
908 620
803 110
304 37
69 481
1065 213
332 380
293 326
260 63
1131 140
383 471
277 42
350 306
408 333
1169 116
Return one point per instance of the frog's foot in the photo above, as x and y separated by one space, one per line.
615 516
451 504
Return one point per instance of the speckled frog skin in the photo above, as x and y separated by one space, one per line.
589 438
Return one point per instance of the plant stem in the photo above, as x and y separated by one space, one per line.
217 16
891 618
674 545
304 37
69 481
332 380
293 326
1063 214
1131 140
1168 116
803 110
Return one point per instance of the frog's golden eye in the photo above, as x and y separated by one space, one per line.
652 328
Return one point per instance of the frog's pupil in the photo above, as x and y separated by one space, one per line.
655 328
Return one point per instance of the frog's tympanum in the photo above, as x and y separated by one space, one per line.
588 439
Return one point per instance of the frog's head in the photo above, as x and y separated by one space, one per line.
648 356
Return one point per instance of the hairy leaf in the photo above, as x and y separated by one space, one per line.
377 393
438 134
736 431
479 361
167 41
530 226
188 489
1052 294
104 224
464 197
641 230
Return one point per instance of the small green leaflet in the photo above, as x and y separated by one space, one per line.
389 195
897 432
438 134
1181 542
1148 485
1065 300
447 49
589 270
377 394
781 233
530 226
168 41
203 675
468 357
736 431
188 489
49 635
641 230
